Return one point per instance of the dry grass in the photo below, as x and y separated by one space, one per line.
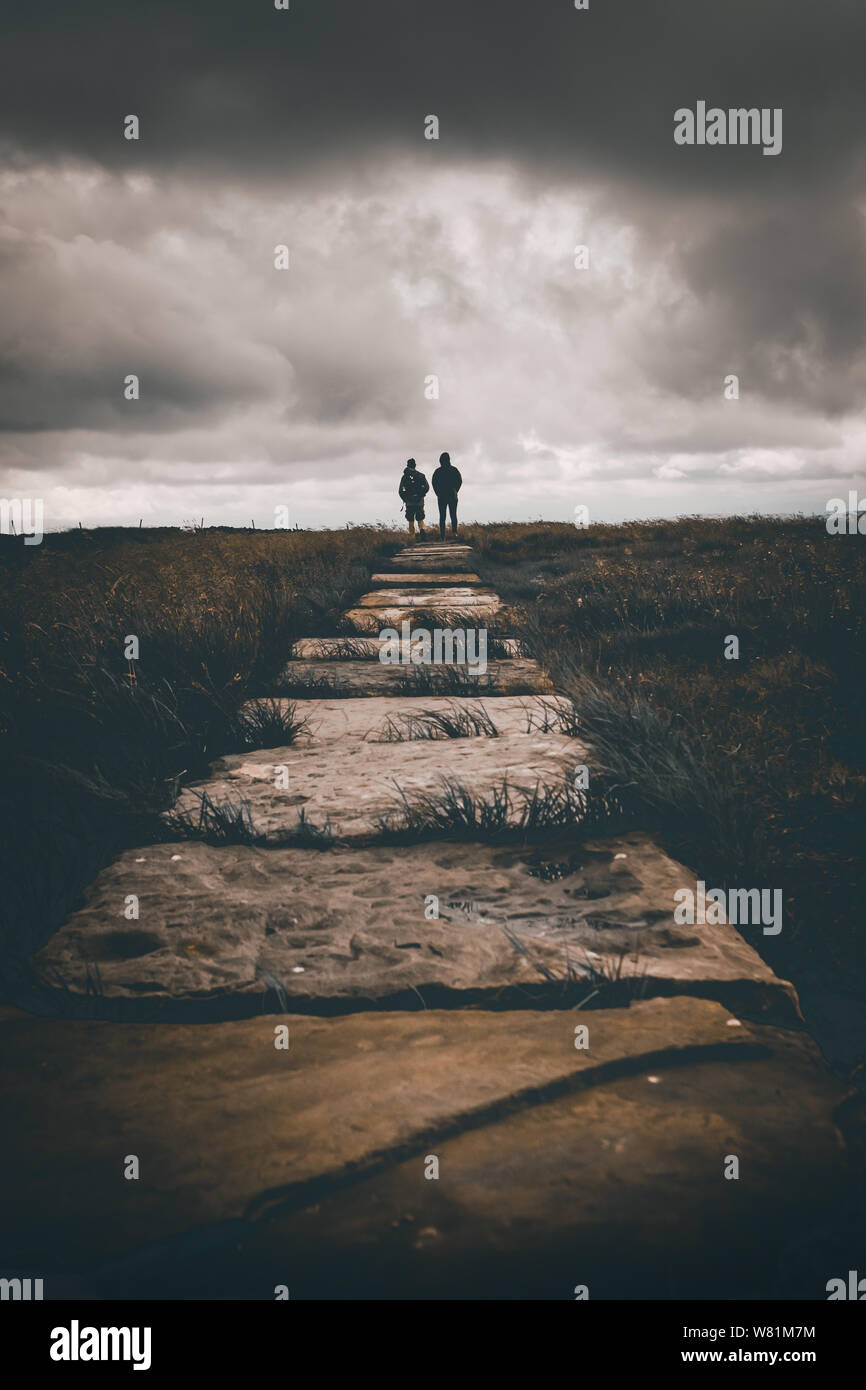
504 813
454 721
754 769
93 746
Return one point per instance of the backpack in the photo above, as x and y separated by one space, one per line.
413 485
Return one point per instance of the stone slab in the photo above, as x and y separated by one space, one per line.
431 564
450 596
365 677
433 577
332 723
230 1129
238 929
364 618
365 648
359 783
619 1188
435 546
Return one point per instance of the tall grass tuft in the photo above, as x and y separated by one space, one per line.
454 721
503 813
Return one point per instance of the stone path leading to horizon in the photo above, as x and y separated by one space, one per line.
216 921
430 986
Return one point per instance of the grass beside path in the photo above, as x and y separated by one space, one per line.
93 745
754 770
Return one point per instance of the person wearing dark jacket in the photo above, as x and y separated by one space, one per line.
413 489
446 484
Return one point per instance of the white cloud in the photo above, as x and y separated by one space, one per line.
261 387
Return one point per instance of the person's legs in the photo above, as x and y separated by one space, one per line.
443 503
452 507
411 515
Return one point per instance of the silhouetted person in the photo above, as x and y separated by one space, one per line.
446 484
413 489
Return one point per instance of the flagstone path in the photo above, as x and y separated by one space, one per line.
305 1026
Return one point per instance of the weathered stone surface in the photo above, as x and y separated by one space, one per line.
374 719
431 578
365 677
357 784
451 597
435 548
364 648
370 621
347 929
228 1128
558 1166
431 564
619 1187
431 560
388 607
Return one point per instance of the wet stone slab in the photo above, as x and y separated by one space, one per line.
235 929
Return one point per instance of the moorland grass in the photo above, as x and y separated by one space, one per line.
753 770
93 747
454 721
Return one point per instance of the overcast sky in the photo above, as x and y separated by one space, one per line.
559 387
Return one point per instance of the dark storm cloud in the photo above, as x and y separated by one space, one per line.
80 315
102 276
228 83
773 286
412 257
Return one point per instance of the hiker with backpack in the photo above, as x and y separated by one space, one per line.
446 484
413 489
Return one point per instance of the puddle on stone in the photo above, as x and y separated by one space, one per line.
551 867
552 871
